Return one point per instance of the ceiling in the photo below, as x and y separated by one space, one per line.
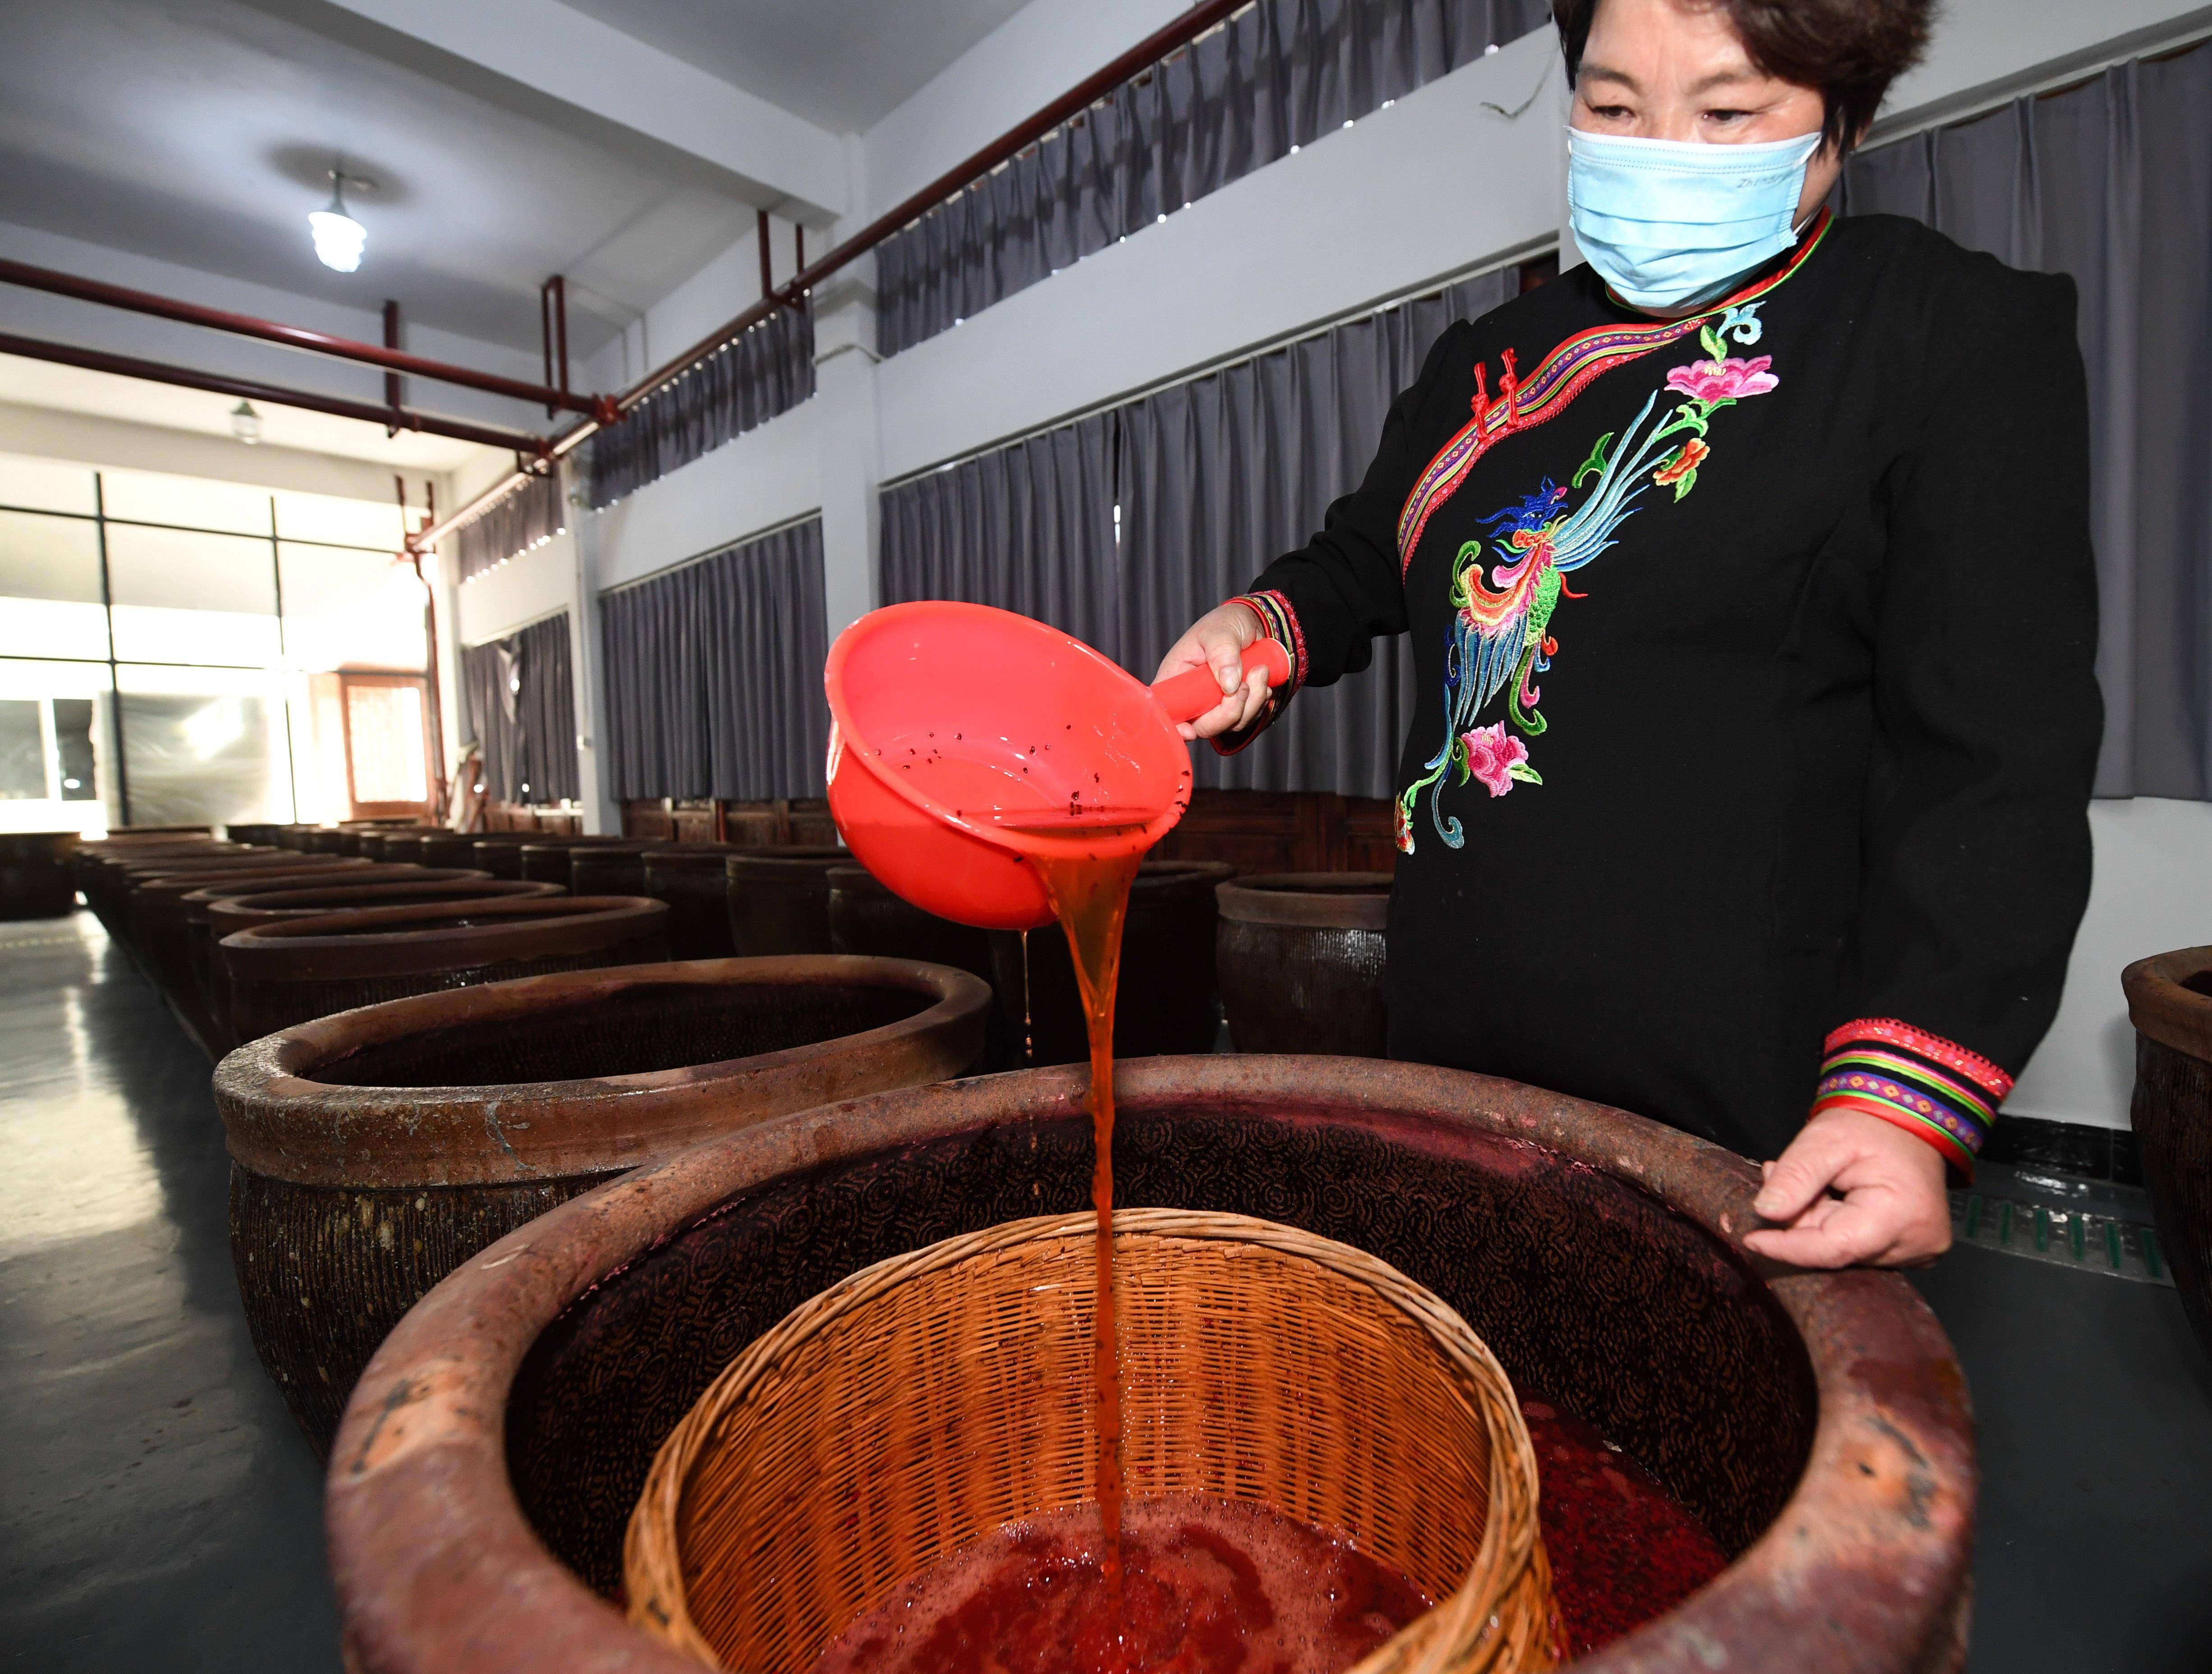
841 64
200 131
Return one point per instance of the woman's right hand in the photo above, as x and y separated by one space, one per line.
1217 641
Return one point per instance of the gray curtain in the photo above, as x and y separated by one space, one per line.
714 675
655 659
2110 182
521 705
768 370
1221 474
1282 73
1028 527
533 513
1210 480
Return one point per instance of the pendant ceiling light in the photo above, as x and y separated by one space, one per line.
339 239
245 423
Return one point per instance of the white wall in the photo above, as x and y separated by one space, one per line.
2153 892
523 590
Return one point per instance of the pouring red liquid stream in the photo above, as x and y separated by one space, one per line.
1091 897
953 774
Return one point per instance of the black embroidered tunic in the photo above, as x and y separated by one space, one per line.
1756 715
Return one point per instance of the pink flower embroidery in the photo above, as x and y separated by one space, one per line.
1492 756
1731 379
1405 829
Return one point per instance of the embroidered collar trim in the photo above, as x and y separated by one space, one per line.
1523 403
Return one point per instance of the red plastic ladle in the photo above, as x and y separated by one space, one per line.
964 740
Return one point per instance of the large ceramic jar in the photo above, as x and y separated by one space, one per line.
1167 1000
96 868
693 878
1301 961
392 886
2170 1003
372 1152
609 869
1816 1423
867 918
416 845
222 910
549 859
499 853
778 898
357 833
292 972
35 880
160 931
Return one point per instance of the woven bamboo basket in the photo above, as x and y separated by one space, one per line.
926 1400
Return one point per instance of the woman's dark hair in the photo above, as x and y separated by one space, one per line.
1851 50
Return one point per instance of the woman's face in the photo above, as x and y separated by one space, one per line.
1674 70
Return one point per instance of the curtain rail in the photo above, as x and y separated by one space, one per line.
1169 37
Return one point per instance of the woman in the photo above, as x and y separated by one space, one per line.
1748 577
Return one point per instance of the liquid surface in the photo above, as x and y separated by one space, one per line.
1210 1586
1623 1549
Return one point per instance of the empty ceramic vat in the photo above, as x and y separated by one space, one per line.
2170 1003
35 880
778 898
288 973
693 878
1300 956
373 1151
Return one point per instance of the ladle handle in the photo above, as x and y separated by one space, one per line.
1190 694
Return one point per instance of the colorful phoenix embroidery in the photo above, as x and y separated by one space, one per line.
1501 636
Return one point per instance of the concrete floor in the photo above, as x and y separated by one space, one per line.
158 1508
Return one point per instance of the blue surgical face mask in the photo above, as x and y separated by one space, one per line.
1671 223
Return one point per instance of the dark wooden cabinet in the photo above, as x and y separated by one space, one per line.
787 821
1253 830
1269 831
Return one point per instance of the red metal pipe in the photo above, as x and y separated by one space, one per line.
394 396
293 336
396 418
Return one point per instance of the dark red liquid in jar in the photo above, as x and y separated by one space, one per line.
1209 1587
1623 1549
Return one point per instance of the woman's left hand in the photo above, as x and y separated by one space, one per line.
1893 1210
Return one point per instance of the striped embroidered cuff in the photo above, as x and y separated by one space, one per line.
1280 623
1924 1083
